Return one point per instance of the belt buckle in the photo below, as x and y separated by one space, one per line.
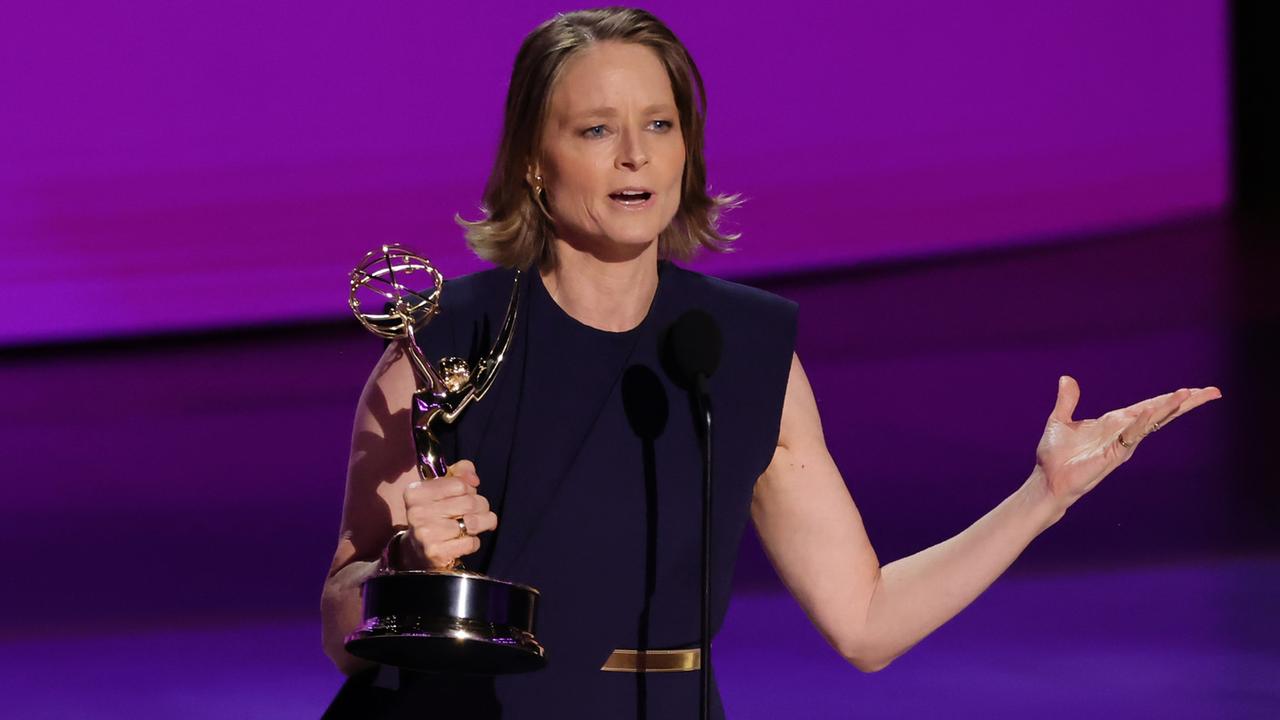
626 660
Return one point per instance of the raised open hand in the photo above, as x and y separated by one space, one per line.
1074 455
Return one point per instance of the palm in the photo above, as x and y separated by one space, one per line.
1075 455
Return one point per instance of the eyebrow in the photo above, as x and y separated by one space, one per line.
610 110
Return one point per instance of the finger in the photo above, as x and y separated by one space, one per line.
427 491
1068 398
1129 437
1180 402
462 466
466 470
480 522
441 555
1202 395
1141 405
1198 397
460 505
436 531
1166 410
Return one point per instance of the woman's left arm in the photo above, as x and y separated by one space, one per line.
814 536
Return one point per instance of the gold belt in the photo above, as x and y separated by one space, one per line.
621 660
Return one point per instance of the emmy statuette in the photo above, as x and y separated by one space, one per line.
446 620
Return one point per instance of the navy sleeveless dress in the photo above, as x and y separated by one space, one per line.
588 452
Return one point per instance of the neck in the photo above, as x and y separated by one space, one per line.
607 295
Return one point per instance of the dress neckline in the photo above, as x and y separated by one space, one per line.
544 294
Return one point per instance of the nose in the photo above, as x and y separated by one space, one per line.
632 153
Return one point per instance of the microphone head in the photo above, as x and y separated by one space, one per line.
692 347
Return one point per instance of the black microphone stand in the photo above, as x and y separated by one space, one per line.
692 352
704 665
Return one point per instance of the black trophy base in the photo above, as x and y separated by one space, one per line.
448 622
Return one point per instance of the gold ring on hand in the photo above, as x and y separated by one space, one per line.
462 527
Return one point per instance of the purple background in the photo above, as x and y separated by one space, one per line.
172 165
966 201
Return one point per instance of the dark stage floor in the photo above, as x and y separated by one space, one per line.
1176 641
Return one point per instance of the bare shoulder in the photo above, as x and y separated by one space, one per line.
801 456
801 426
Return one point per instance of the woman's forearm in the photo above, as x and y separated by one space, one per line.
340 611
915 595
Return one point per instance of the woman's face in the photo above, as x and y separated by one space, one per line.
612 126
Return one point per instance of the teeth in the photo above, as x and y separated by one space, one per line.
631 197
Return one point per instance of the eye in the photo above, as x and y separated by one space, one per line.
662 125
596 131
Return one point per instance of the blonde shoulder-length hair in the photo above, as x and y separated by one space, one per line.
516 231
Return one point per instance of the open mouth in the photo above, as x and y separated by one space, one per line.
631 198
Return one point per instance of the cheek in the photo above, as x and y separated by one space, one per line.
577 201
676 192
673 204
578 177
677 165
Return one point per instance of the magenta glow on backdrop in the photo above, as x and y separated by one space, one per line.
184 165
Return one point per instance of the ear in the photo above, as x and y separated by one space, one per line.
531 174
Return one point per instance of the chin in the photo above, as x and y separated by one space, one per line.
632 241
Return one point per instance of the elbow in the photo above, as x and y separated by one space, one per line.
865 659
868 664
345 662
338 619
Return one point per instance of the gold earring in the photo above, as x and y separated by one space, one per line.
538 193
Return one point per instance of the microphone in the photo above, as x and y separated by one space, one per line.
691 355
693 350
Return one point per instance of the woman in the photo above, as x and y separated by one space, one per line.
586 449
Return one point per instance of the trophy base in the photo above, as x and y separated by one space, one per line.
448 622
444 648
